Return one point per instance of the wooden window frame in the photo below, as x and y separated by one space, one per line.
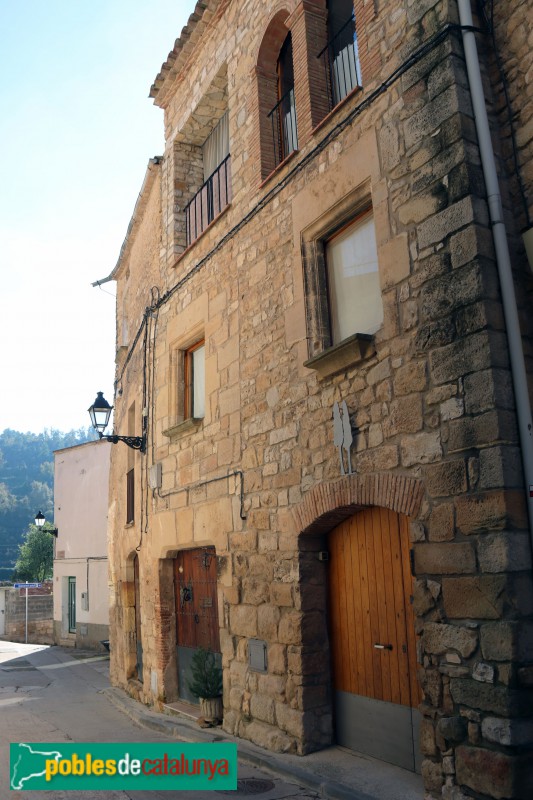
326 356
188 380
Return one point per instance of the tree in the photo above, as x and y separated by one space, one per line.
36 555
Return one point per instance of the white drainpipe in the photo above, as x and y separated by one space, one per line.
503 260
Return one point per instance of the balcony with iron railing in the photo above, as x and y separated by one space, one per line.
209 201
341 63
284 131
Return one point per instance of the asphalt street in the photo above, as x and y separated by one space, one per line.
50 694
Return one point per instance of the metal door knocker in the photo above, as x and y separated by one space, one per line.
186 594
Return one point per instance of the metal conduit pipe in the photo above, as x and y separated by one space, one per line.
503 259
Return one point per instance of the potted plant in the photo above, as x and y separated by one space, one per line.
206 683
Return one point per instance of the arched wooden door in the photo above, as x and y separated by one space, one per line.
372 635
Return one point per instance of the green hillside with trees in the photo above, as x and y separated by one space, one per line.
27 484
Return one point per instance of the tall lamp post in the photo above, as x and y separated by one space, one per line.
100 411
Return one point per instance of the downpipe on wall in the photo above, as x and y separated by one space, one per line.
503 259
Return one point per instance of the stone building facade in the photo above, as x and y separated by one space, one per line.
331 497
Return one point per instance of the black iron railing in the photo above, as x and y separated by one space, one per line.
284 131
209 201
341 63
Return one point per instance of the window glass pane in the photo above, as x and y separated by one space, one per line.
198 385
353 281
216 147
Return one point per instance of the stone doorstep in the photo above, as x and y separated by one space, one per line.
182 709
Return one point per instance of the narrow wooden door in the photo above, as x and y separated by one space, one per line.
138 626
195 589
372 635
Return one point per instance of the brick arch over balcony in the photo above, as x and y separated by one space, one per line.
266 79
328 504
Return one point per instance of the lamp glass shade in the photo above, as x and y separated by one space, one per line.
39 519
100 411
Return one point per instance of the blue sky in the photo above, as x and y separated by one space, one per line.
76 131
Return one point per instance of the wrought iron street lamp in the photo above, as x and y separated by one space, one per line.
100 411
40 519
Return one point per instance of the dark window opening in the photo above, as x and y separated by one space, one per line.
341 54
283 115
130 496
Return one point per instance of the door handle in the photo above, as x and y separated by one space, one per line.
383 646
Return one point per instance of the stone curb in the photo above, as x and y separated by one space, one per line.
188 732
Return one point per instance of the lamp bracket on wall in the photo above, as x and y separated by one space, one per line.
136 442
100 411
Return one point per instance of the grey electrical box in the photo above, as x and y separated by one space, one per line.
257 655
85 601
155 477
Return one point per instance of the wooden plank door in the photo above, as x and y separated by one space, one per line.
138 627
372 635
195 591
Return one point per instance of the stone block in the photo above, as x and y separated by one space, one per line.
485 429
446 479
394 262
421 448
255 591
452 729
499 641
243 621
508 732
277 659
476 597
428 746
484 673
262 708
405 416
504 552
500 466
444 558
438 638
423 600
498 700
290 720
460 358
411 377
267 622
488 772
379 459
432 775
468 244
490 511
441 526
445 295
290 628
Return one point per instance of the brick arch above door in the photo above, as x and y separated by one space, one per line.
329 503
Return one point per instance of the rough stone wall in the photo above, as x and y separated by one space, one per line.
433 404
504 48
40 617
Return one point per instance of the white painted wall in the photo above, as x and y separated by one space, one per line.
81 489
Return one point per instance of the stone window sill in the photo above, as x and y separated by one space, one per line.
351 351
187 425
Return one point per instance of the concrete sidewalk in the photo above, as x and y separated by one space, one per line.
333 773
